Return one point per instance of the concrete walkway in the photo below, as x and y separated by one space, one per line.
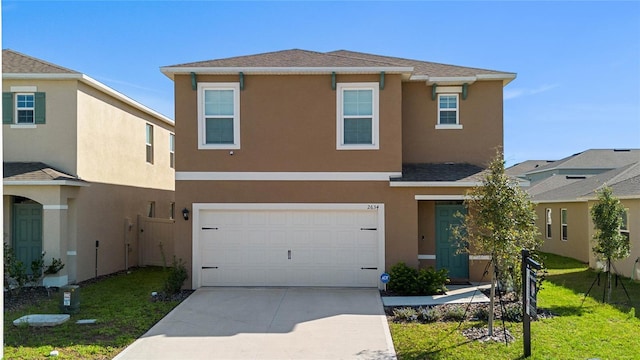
456 294
270 323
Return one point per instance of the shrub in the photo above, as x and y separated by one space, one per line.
176 278
403 279
432 282
481 313
429 314
405 314
512 312
454 313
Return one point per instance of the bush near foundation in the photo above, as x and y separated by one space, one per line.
408 281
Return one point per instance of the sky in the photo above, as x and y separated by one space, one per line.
577 63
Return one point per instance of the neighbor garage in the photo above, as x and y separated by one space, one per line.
337 245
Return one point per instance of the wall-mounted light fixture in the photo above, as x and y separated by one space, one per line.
185 213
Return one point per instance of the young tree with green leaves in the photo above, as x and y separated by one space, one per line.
500 221
610 244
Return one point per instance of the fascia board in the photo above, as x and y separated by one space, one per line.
94 84
45 183
434 183
170 71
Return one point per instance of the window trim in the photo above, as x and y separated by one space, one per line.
16 108
624 227
149 144
375 115
564 227
172 151
548 223
457 125
202 87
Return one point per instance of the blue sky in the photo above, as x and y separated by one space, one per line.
578 63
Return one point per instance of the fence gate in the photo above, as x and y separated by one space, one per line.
155 241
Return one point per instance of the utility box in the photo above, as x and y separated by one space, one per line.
70 299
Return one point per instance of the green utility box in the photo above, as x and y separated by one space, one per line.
70 299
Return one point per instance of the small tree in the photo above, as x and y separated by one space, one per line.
610 244
500 221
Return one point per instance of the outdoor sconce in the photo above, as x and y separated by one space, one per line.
185 213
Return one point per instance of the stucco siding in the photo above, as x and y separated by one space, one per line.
111 148
577 245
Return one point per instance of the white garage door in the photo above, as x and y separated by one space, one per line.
290 247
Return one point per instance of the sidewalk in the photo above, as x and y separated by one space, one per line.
456 294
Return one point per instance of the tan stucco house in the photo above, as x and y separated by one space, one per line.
81 163
304 168
564 192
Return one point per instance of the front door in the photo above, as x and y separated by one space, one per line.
27 232
446 256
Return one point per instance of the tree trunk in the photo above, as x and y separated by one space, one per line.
492 300
609 281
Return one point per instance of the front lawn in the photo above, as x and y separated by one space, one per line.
578 331
121 305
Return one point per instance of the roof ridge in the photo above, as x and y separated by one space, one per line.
332 53
44 62
620 175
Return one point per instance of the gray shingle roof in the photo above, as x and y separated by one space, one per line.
524 167
296 58
441 172
14 62
34 171
594 159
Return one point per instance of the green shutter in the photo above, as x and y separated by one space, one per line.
7 108
40 108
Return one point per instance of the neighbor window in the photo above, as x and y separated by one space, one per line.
172 210
563 223
150 143
548 222
23 108
624 229
219 115
357 118
172 151
151 209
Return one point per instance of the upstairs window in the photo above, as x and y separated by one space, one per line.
548 223
448 112
219 115
172 151
150 144
23 108
357 118
624 228
563 224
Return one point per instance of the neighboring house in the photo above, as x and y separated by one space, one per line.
326 169
565 190
81 163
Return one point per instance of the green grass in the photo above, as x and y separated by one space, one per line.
579 331
121 305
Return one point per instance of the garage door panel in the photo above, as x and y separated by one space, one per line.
289 248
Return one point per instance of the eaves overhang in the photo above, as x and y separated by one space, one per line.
171 71
45 183
434 183
460 80
94 84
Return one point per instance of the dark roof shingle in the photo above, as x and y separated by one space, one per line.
33 171
14 62
441 172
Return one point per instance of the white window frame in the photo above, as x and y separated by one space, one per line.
375 125
564 227
548 223
624 228
202 87
17 108
457 125
149 155
172 151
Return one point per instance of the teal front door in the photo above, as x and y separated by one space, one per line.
27 232
446 256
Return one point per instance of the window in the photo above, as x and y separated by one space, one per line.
563 223
624 229
172 210
219 115
548 223
150 143
448 114
151 209
172 151
24 107
357 118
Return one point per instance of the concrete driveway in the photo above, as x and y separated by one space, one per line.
270 323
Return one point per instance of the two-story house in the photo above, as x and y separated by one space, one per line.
301 168
81 163
564 192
